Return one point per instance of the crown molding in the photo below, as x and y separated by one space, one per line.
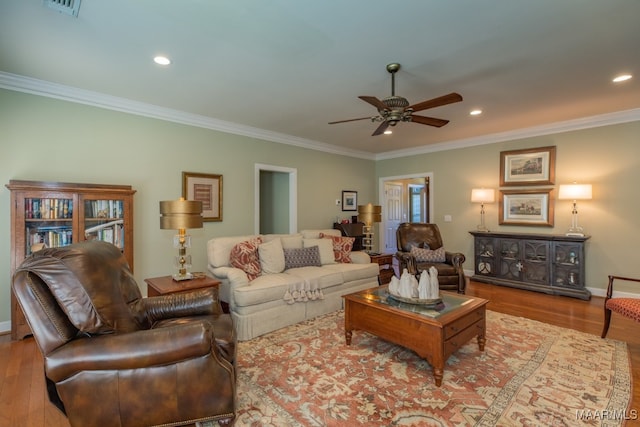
66 93
550 128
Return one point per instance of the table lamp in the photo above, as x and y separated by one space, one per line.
369 214
575 192
180 215
482 196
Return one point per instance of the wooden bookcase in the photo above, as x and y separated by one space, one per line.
549 263
58 214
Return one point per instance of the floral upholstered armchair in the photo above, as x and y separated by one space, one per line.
420 247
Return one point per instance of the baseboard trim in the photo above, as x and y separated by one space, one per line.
5 327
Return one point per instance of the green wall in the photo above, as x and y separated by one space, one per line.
45 139
607 157
52 140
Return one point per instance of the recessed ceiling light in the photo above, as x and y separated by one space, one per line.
622 78
162 60
475 112
388 132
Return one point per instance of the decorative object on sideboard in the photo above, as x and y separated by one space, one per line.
180 215
369 214
575 192
482 196
534 166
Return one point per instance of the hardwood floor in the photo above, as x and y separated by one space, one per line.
23 401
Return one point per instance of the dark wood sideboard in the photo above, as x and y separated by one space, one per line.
549 263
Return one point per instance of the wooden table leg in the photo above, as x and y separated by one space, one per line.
347 335
481 342
438 374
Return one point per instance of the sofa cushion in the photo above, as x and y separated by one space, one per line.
428 255
219 249
341 247
315 234
301 257
271 257
352 272
268 287
244 256
326 249
293 241
317 277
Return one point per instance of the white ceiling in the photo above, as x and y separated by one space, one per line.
285 68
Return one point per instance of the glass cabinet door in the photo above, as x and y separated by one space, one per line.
48 222
103 219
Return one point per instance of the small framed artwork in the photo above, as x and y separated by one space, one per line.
206 188
526 207
350 201
534 166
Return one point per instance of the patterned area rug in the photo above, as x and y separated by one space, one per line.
530 374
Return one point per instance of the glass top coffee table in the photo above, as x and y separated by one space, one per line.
433 332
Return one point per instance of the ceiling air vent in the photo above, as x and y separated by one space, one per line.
68 7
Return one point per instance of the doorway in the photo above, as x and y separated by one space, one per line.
276 200
406 198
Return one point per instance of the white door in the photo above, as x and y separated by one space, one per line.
392 215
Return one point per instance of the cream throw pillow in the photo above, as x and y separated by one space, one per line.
326 249
271 257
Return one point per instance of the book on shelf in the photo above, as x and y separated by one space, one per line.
36 208
112 232
104 208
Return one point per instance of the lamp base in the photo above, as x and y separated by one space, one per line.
180 277
574 234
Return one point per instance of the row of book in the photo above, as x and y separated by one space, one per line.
104 208
48 208
112 232
37 208
50 237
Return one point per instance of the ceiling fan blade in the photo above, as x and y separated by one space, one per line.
431 121
374 101
383 126
349 120
437 102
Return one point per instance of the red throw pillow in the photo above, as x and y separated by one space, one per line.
342 247
244 256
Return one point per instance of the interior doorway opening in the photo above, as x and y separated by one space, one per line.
406 198
276 200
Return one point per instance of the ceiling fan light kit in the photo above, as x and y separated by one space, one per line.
394 109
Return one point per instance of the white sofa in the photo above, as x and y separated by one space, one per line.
276 299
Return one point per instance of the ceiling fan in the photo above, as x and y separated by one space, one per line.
394 109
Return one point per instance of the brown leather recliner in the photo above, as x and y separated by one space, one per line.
421 235
114 358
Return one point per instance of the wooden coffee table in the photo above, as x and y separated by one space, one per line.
433 333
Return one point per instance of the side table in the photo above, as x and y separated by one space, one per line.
385 261
166 285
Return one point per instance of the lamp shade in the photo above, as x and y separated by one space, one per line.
483 195
180 214
370 213
575 192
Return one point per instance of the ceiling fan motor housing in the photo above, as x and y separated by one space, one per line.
395 102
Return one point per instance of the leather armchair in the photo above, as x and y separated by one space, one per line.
450 272
114 358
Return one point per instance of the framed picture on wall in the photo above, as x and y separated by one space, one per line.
206 188
534 166
526 207
349 201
